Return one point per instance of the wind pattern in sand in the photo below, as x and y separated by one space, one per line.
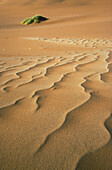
56 104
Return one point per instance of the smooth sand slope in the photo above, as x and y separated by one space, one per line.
56 85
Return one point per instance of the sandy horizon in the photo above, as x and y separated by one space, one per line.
55 85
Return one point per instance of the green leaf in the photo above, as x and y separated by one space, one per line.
36 21
30 21
25 20
36 17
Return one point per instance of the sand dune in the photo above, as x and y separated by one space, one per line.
55 85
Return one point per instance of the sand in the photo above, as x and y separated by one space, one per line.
56 85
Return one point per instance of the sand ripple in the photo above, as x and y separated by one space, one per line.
53 109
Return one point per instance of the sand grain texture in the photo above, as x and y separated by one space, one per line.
55 85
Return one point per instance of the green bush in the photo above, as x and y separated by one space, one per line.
35 19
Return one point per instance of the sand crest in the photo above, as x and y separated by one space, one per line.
55 85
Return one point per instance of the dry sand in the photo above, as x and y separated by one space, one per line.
56 85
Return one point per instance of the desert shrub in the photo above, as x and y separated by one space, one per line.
35 19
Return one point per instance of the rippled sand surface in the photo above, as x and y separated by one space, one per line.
56 86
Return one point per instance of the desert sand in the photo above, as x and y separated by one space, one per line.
56 85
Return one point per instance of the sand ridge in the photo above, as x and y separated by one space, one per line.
43 80
55 85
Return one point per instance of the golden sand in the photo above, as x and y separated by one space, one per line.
56 85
